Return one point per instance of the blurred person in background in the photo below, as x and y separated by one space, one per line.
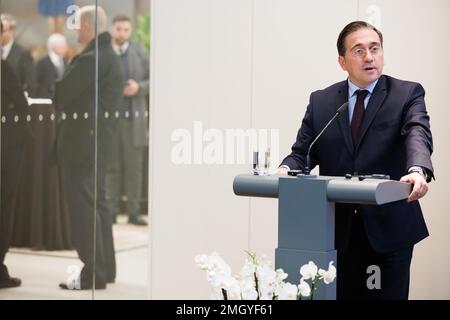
77 145
17 56
13 139
50 68
131 138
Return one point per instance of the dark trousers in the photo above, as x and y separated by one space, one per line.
126 172
358 266
12 162
79 194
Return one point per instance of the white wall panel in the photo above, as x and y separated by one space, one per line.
201 72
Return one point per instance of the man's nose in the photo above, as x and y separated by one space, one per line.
368 57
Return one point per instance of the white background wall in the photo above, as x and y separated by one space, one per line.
252 64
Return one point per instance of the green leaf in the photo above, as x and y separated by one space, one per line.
141 32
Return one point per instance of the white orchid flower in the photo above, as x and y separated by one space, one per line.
248 270
217 263
248 290
216 294
266 281
329 275
287 291
281 275
266 274
200 260
304 288
214 265
221 281
265 262
258 280
308 271
233 290
266 292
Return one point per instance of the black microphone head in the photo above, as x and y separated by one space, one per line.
342 108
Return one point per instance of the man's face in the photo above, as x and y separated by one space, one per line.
363 59
121 32
7 33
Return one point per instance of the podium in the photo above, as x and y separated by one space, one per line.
306 215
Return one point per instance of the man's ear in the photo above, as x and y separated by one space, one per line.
341 61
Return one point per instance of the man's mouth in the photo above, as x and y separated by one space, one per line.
369 68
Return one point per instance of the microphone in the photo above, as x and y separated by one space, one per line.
341 109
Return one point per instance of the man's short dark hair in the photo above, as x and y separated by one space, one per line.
121 18
350 28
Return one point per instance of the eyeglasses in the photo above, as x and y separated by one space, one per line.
361 52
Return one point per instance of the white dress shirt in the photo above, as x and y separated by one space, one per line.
6 49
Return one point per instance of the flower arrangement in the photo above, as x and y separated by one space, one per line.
258 281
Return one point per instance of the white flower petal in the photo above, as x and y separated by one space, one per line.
304 288
308 271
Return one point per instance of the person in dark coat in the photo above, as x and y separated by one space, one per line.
83 147
50 68
386 130
132 134
17 56
14 136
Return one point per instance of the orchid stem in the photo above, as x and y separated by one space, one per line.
225 296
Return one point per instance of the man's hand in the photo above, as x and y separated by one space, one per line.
131 88
420 185
282 170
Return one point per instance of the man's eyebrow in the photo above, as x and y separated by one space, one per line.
370 45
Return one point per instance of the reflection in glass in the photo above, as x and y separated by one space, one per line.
83 146
74 151
13 140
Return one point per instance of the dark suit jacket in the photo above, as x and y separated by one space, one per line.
21 63
14 136
395 135
45 79
75 93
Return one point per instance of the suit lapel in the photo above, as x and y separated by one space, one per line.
51 66
344 124
375 102
13 57
131 64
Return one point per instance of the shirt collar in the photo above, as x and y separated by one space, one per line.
123 47
6 49
352 88
56 60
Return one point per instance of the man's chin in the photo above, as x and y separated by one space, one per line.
372 78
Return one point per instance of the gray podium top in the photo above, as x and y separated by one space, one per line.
339 189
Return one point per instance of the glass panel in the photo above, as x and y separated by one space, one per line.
74 150
47 152
123 144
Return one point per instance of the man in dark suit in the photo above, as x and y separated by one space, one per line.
83 147
13 139
386 130
132 132
17 56
50 68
